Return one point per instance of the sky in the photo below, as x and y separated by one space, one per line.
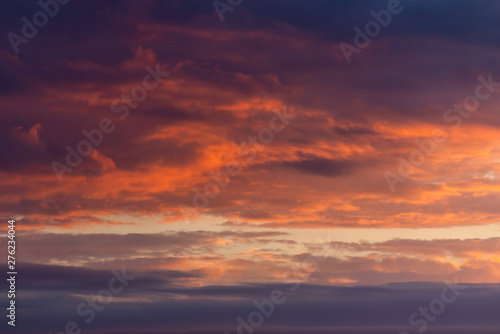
335 161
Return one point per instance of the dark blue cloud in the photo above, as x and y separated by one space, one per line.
308 309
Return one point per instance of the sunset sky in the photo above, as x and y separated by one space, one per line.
234 157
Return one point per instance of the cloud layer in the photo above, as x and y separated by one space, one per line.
216 179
